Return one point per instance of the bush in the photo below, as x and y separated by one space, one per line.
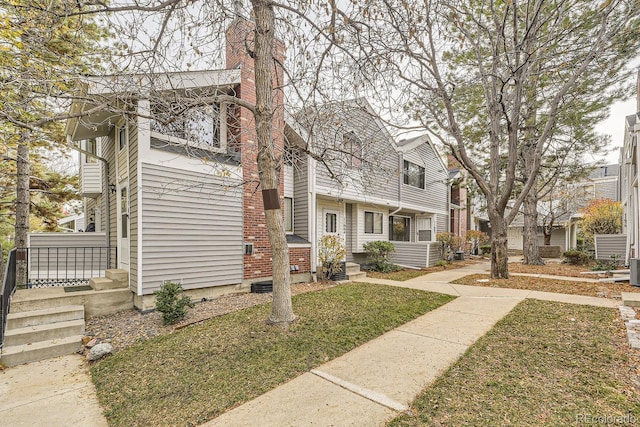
442 263
331 253
602 265
485 249
476 238
379 256
171 303
575 257
446 241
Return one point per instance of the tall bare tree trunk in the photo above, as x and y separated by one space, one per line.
499 252
22 207
268 165
530 249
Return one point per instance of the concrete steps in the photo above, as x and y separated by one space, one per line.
42 334
353 272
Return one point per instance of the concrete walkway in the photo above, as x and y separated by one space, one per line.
53 393
373 383
365 387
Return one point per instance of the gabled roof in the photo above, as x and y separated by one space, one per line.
405 145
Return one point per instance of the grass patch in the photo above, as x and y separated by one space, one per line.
592 289
201 371
407 274
543 364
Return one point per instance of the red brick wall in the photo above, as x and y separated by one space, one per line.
239 35
301 258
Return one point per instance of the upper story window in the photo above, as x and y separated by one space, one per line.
353 149
90 146
373 222
288 214
122 137
199 125
413 174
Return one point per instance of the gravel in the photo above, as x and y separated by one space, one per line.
130 327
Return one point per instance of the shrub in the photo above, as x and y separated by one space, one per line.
476 238
171 303
576 257
602 265
379 255
446 241
441 263
331 253
485 249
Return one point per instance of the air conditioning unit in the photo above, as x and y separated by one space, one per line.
634 266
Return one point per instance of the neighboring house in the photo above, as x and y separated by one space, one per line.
367 186
72 222
629 192
564 207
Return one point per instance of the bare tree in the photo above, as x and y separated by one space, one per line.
465 68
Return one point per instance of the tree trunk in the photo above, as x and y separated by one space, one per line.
22 207
499 252
268 167
530 251
547 239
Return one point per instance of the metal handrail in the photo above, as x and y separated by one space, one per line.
7 290
62 264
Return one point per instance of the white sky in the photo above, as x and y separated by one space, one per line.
614 126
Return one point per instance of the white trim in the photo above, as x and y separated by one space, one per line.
179 141
299 245
144 151
335 212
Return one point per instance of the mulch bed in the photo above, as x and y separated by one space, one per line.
129 327
554 269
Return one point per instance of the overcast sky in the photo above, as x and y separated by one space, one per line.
614 126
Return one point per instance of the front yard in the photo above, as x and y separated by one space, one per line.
545 363
196 373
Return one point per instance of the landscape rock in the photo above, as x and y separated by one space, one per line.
99 351
92 343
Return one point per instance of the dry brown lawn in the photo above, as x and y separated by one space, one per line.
554 269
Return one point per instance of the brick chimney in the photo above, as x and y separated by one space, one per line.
239 37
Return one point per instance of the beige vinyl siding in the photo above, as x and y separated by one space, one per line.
301 200
360 237
607 190
67 255
191 229
410 254
416 254
442 223
608 245
378 175
349 212
133 207
435 194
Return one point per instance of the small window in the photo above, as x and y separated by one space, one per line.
353 150
288 214
373 222
331 222
413 175
122 137
198 125
399 228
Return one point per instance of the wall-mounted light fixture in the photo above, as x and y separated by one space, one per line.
112 188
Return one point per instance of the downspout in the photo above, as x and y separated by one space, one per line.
401 164
105 187
313 215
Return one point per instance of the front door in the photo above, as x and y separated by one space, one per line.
123 226
424 229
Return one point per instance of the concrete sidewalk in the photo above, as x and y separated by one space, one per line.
372 383
365 387
53 393
375 382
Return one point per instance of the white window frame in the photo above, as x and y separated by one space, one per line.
326 212
405 169
390 225
291 216
374 213
122 129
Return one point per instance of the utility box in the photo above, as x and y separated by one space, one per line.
634 267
